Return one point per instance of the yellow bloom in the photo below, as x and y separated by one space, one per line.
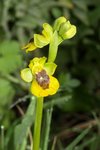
40 40
40 74
37 64
40 91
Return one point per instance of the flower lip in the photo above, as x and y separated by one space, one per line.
43 79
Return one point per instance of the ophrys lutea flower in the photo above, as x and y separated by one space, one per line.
40 40
40 74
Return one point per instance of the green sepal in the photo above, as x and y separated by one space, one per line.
50 67
70 33
48 31
40 40
26 75
64 27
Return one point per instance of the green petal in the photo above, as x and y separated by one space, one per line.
50 68
40 60
26 75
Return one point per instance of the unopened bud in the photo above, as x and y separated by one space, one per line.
58 23
64 27
70 33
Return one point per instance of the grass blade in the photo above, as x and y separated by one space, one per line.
78 139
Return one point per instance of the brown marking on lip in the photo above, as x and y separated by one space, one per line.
43 79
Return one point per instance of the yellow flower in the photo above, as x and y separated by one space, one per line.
40 40
40 74
39 91
36 64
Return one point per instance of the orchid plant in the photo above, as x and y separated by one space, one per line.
40 70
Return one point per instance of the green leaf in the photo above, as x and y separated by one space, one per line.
81 15
10 63
94 15
81 100
57 101
78 139
86 143
95 143
67 82
81 5
9 48
10 58
46 128
56 12
6 92
21 130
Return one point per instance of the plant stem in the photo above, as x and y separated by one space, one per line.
2 137
37 125
53 48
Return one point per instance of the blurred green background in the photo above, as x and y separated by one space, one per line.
78 62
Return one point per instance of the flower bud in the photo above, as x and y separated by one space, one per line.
64 27
58 23
70 33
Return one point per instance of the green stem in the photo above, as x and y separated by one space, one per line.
53 48
37 125
2 137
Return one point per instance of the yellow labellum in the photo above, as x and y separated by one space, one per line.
38 91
